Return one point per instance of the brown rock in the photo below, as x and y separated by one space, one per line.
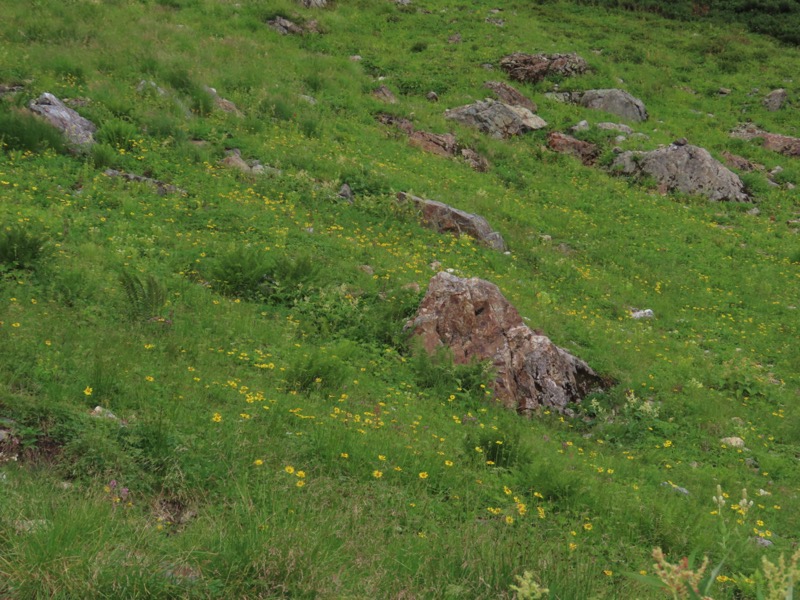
475 160
508 95
566 144
473 319
401 123
443 144
775 100
531 68
789 146
447 219
738 162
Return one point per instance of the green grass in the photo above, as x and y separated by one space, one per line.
238 339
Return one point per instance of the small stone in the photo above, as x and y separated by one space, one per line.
367 269
581 126
356 58
346 192
680 142
723 91
675 488
763 542
733 442
754 212
642 314
310 99
103 413
432 96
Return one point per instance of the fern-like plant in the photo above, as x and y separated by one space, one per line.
145 299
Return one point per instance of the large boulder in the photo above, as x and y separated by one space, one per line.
447 219
473 319
684 168
496 119
566 144
531 68
508 95
790 146
78 130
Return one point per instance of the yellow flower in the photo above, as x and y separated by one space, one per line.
572 546
258 462
608 573
506 490
216 418
381 457
587 526
448 463
423 475
88 391
509 520
301 474
300 483
344 455
377 474
540 510
289 469
667 443
149 378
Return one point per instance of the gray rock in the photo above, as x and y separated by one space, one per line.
346 192
497 119
146 85
221 103
580 126
314 3
723 91
775 99
647 313
622 128
384 94
285 26
508 95
447 219
473 319
432 96
763 542
675 488
532 68
76 129
616 102
688 169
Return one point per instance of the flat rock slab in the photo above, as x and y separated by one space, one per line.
532 68
509 95
285 26
786 145
616 102
566 144
496 119
684 168
473 319
443 144
78 130
447 219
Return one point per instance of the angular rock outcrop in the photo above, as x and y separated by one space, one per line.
616 102
531 68
78 130
508 95
285 26
447 219
684 168
443 144
789 146
473 319
496 119
775 99
566 144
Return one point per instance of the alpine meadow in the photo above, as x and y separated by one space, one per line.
377 299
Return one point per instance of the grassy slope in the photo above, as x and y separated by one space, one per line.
205 520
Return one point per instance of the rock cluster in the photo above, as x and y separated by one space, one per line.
508 95
532 68
473 319
566 144
789 146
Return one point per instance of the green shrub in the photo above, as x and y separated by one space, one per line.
21 248
145 299
118 134
23 131
317 370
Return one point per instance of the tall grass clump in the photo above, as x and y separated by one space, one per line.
23 131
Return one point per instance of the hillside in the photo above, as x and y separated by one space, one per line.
206 388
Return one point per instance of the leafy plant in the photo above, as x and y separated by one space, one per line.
145 298
21 248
